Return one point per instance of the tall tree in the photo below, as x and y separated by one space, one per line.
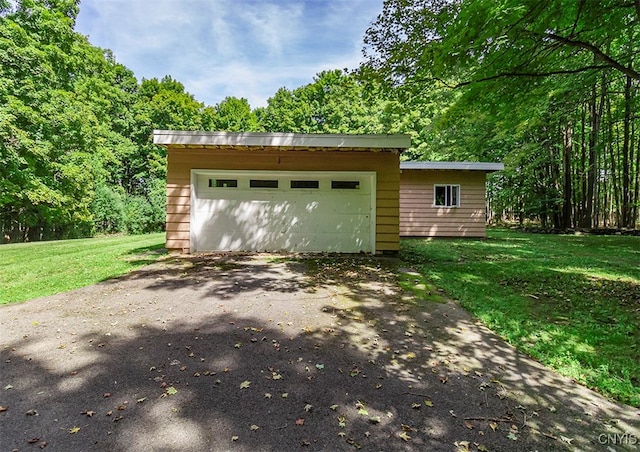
532 77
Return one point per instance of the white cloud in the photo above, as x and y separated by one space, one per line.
220 48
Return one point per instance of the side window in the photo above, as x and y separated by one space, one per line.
263 183
223 183
446 195
305 184
345 184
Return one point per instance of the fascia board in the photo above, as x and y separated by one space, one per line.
461 166
295 140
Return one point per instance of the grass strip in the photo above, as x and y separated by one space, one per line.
570 301
31 270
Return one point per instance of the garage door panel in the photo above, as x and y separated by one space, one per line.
241 218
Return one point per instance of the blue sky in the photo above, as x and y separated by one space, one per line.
220 48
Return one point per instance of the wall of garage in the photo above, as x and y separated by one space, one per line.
182 159
420 218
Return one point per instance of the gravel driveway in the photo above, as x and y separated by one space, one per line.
263 352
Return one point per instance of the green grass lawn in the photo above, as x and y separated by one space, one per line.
30 270
570 301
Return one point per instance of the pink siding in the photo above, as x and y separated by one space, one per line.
419 217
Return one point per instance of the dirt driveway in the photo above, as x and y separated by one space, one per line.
256 352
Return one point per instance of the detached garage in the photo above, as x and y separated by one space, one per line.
444 199
282 192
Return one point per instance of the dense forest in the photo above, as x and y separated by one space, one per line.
550 88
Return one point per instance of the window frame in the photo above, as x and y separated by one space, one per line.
448 193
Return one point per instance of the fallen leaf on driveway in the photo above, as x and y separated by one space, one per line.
245 384
254 427
404 436
171 390
308 408
89 413
235 438
74 430
300 421
3 408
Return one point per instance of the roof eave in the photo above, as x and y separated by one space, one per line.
487 167
279 140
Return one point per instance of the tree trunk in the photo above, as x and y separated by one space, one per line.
595 113
627 221
567 148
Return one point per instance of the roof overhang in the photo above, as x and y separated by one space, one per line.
280 140
460 166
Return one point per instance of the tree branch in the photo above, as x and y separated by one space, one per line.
527 74
628 71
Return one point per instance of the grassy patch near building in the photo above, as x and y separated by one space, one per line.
570 301
31 270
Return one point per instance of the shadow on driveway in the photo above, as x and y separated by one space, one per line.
255 352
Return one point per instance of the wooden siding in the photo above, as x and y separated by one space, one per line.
419 217
181 160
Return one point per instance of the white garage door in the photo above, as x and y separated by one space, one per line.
283 211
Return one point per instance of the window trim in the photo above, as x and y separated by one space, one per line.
448 194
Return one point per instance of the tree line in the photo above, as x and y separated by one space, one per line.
548 87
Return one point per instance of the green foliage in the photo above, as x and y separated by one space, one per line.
75 130
235 115
108 209
569 301
548 87
336 102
